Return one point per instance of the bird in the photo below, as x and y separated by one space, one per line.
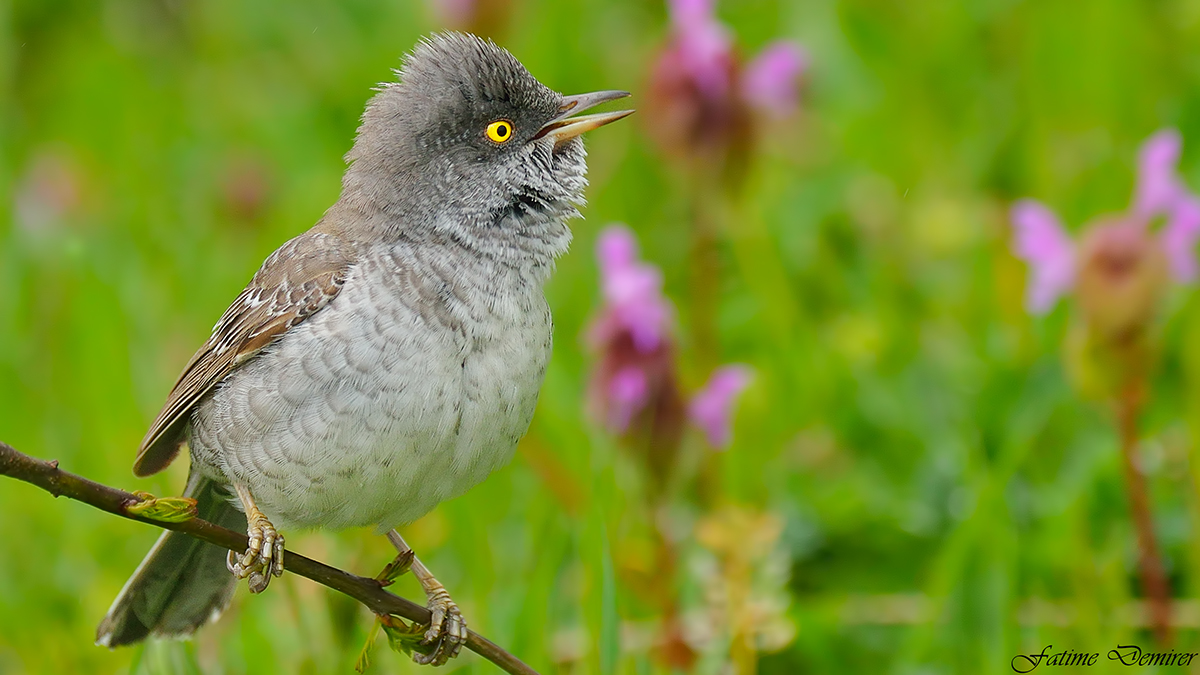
389 358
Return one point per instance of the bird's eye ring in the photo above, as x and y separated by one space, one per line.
500 131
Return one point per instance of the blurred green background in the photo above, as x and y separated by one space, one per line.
929 492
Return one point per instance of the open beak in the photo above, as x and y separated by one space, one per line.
564 127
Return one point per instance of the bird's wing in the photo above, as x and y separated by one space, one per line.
294 283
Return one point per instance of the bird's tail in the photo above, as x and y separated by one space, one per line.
182 583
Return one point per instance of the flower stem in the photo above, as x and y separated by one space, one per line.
705 274
1154 578
673 649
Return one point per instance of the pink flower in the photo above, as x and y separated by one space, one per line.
632 291
703 45
1158 187
634 380
770 81
1179 237
1114 248
711 408
1042 243
700 97
1121 274
628 392
1161 192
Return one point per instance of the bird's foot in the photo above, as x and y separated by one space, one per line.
447 630
263 559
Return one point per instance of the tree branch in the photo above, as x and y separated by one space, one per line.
369 592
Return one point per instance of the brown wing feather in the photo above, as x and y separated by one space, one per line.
294 283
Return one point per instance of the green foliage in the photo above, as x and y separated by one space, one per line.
947 499
163 509
402 637
396 568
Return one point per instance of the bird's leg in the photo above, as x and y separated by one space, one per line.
446 627
263 559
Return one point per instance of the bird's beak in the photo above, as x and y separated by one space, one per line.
564 127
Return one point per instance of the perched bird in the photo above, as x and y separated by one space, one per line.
389 358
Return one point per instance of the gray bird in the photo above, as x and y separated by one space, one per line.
389 358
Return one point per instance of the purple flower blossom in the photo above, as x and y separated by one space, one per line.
628 392
633 389
703 46
1179 237
1158 188
632 291
703 49
770 81
701 97
1121 274
1042 242
711 408
1160 192
636 371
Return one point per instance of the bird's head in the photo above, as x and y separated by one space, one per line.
468 140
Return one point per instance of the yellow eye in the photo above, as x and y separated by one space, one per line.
500 131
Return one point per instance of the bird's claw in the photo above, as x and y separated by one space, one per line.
447 630
263 558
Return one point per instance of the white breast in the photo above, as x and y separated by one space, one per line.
385 403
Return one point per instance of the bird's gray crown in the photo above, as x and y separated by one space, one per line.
468 83
423 163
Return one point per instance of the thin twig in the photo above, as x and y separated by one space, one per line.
369 592
1154 578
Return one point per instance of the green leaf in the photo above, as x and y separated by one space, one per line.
610 639
396 568
364 657
404 637
162 509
